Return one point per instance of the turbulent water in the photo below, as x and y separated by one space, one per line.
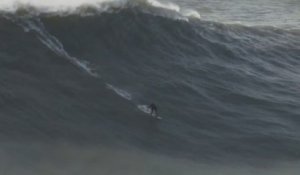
74 74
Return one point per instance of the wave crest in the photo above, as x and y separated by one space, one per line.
94 7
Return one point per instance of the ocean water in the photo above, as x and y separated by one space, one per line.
225 76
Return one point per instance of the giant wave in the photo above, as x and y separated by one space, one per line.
225 91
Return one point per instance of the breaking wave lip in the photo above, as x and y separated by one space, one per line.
94 7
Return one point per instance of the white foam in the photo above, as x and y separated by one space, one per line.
147 110
167 5
74 6
144 108
120 92
190 13
54 4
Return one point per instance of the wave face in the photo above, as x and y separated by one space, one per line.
225 92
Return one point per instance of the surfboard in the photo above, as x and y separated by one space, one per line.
145 109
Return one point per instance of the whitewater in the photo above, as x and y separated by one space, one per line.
224 74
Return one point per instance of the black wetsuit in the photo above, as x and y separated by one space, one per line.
153 109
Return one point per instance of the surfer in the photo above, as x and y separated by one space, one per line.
153 109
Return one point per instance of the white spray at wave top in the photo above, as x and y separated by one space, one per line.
48 5
52 6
